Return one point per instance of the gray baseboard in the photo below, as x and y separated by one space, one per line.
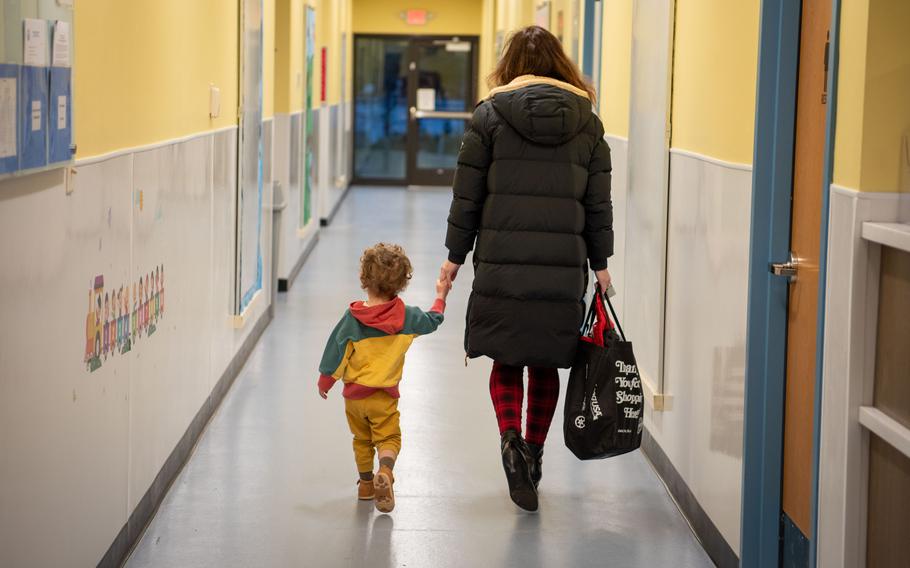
713 542
284 284
142 515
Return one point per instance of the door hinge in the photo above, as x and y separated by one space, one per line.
827 64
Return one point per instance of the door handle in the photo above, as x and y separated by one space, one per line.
440 114
786 269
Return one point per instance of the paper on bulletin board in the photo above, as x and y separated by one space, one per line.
61 47
60 111
426 99
8 88
36 116
33 85
34 43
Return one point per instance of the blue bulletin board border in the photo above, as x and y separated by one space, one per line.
11 164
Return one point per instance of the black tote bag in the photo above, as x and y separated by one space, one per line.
604 398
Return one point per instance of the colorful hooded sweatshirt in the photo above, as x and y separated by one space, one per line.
366 350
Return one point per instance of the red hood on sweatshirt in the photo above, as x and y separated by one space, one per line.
387 317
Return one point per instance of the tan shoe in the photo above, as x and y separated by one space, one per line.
385 497
365 491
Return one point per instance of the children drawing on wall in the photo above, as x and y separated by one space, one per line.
116 319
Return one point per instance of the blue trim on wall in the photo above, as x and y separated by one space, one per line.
772 179
587 46
831 126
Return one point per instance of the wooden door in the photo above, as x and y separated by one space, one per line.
805 235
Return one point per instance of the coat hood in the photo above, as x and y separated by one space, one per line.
542 109
387 317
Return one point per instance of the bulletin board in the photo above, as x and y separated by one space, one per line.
36 103
249 163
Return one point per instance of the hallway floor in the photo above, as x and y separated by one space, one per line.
272 481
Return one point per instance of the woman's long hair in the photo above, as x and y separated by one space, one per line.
535 51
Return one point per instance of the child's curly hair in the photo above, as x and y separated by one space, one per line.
385 270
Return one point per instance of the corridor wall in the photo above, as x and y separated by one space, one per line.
144 226
613 107
699 430
313 126
871 183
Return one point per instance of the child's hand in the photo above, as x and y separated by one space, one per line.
443 285
322 393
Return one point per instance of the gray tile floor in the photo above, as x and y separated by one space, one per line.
271 482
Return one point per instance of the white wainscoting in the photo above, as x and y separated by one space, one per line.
331 187
619 154
80 444
851 308
706 296
289 171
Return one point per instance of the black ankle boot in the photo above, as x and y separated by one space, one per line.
515 460
536 463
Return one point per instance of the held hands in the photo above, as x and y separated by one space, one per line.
443 285
450 269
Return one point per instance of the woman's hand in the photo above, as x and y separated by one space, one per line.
604 279
450 269
443 285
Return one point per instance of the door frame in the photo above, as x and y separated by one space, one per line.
772 184
406 180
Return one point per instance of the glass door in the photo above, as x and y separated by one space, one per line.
413 97
380 109
441 96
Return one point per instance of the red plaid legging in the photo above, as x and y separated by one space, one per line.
507 392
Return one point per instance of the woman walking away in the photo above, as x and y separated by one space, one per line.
532 188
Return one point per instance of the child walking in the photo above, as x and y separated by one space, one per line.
366 352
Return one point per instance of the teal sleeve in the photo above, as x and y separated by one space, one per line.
335 347
419 322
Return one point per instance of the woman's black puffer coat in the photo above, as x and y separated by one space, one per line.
532 188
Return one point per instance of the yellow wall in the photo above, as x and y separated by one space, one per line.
450 17
143 68
851 82
268 59
336 21
616 59
289 56
571 36
488 56
349 25
887 116
873 81
714 79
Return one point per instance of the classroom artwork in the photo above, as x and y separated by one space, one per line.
119 317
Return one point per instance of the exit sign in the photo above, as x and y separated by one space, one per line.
416 17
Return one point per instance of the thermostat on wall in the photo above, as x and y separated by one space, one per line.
214 101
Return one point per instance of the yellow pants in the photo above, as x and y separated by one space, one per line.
374 423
